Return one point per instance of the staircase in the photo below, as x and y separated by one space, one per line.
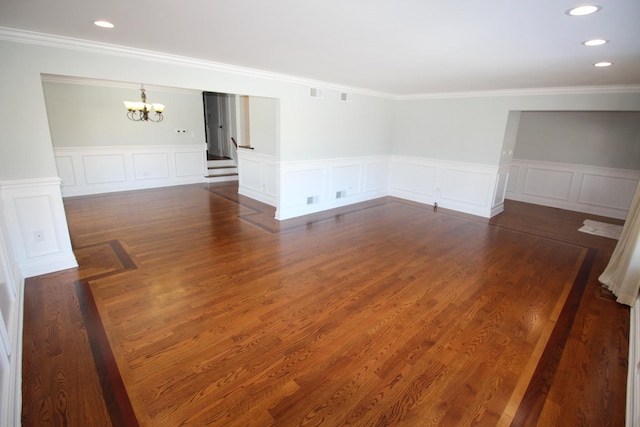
221 170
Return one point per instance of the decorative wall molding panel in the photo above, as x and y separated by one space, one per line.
314 186
594 190
94 170
34 240
11 303
258 176
474 189
36 226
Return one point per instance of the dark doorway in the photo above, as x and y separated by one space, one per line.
217 125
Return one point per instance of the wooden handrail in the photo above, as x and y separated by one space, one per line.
248 147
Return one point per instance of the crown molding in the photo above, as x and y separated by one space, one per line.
577 90
49 40
41 39
55 78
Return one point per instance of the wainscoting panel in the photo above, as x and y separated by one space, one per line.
416 180
189 163
596 190
514 171
258 176
314 186
270 181
346 180
588 189
463 187
376 176
94 170
150 165
11 309
99 169
64 164
251 177
548 183
305 186
501 187
37 226
39 234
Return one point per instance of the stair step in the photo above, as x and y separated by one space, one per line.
222 170
222 174
221 167
222 177
220 163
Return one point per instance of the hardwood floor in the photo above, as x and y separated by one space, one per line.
193 306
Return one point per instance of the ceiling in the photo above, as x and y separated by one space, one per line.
399 47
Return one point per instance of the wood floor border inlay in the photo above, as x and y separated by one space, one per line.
113 390
533 400
528 410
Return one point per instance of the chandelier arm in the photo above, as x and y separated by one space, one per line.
139 112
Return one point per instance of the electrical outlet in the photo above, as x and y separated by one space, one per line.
182 131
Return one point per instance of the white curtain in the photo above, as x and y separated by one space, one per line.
622 275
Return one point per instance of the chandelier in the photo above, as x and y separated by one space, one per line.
139 111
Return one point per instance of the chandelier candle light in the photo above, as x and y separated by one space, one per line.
139 111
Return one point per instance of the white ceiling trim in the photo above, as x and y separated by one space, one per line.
584 90
29 37
55 78
41 39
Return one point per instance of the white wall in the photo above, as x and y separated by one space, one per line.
468 130
326 127
472 128
595 138
482 130
264 125
84 113
308 126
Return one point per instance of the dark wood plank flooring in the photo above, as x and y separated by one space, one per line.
193 306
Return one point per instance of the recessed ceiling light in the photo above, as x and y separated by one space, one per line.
104 24
583 10
603 64
595 42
